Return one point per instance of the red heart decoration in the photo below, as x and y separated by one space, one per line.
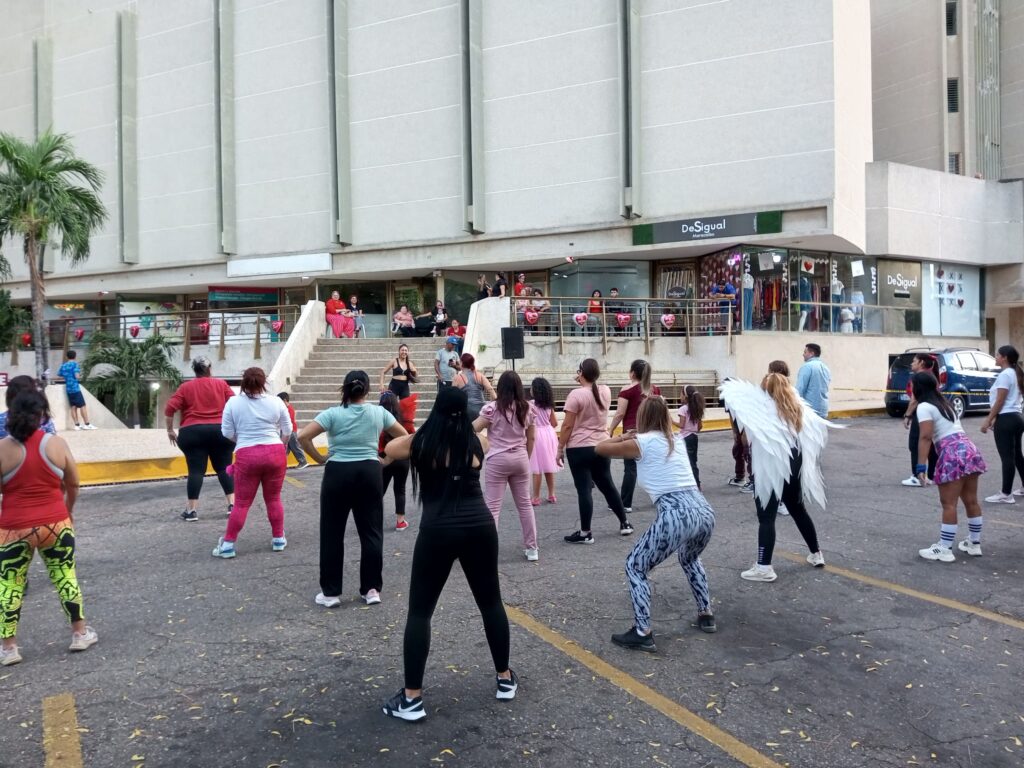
950 287
79 333
940 273
134 331
580 318
531 316
808 266
668 320
26 339
959 302
622 319
204 328
277 325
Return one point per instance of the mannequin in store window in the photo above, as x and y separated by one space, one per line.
837 298
805 299
748 301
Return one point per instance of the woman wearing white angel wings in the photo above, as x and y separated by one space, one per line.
786 440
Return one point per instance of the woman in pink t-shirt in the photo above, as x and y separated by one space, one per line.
584 426
509 424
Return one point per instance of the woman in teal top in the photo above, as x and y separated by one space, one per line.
352 484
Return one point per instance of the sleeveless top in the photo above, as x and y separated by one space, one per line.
454 501
32 493
474 391
398 370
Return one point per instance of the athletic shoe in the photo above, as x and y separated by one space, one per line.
971 548
409 710
911 482
580 538
78 427
507 688
80 641
1019 492
89 426
706 623
816 559
634 641
627 510
9 656
372 597
532 554
535 501
225 549
625 529
759 573
938 552
747 487
325 601
782 510
189 516
736 481
278 544
401 525
1001 498
303 465
554 499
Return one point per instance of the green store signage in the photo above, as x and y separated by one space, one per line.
243 295
708 228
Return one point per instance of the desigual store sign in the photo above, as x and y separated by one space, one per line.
899 283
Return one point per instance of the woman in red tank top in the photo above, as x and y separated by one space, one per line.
39 485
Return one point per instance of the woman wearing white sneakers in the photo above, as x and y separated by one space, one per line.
1006 422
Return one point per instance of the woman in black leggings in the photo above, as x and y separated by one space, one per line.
455 525
201 402
585 425
1006 422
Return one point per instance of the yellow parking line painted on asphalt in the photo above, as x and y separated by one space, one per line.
694 723
928 597
293 481
60 732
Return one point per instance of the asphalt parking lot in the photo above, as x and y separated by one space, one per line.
880 659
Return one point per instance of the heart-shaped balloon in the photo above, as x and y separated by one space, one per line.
26 339
134 331
580 318
531 316
79 334
277 325
204 328
623 319
668 320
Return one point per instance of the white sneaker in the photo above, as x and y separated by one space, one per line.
9 656
1001 498
816 559
325 601
911 482
759 573
782 510
971 548
1019 491
82 640
89 426
372 597
938 552
78 427
532 554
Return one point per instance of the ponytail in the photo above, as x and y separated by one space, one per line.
694 403
356 385
786 401
641 370
591 372
28 412
1013 358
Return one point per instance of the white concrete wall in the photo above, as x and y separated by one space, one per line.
294 352
1011 76
932 216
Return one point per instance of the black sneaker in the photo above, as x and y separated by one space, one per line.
736 481
625 529
635 641
507 688
189 516
706 623
580 538
409 710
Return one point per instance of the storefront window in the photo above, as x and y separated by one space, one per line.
583 278
951 300
373 299
763 288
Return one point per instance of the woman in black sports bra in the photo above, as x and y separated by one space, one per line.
403 372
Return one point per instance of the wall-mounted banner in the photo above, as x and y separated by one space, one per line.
708 228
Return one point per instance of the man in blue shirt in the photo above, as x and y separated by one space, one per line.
727 291
71 372
813 380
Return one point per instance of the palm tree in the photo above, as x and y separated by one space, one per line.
47 193
125 368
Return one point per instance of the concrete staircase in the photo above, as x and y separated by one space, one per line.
318 386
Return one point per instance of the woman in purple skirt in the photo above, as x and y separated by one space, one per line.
956 472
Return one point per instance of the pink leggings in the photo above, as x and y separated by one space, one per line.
512 469
258 464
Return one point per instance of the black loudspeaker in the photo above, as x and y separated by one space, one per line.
512 346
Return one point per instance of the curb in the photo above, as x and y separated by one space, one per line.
139 471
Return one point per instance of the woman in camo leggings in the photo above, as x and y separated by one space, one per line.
683 524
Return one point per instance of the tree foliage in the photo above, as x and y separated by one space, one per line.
124 369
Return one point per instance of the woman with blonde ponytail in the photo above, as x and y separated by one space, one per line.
786 439
630 398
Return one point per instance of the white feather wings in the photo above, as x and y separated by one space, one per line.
771 441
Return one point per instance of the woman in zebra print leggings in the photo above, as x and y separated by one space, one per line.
683 524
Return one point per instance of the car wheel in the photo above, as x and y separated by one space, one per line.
959 405
895 411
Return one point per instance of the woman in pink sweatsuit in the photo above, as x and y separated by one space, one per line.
509 424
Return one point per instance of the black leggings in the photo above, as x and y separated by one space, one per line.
628 482
351 487
913 440
399 472
792 497
201 443
476 549
586 467
691 453
1008 430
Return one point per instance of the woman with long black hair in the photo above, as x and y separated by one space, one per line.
583 427
353 484
1004 415
956 472
455 525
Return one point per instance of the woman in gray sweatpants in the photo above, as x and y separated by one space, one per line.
683 524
